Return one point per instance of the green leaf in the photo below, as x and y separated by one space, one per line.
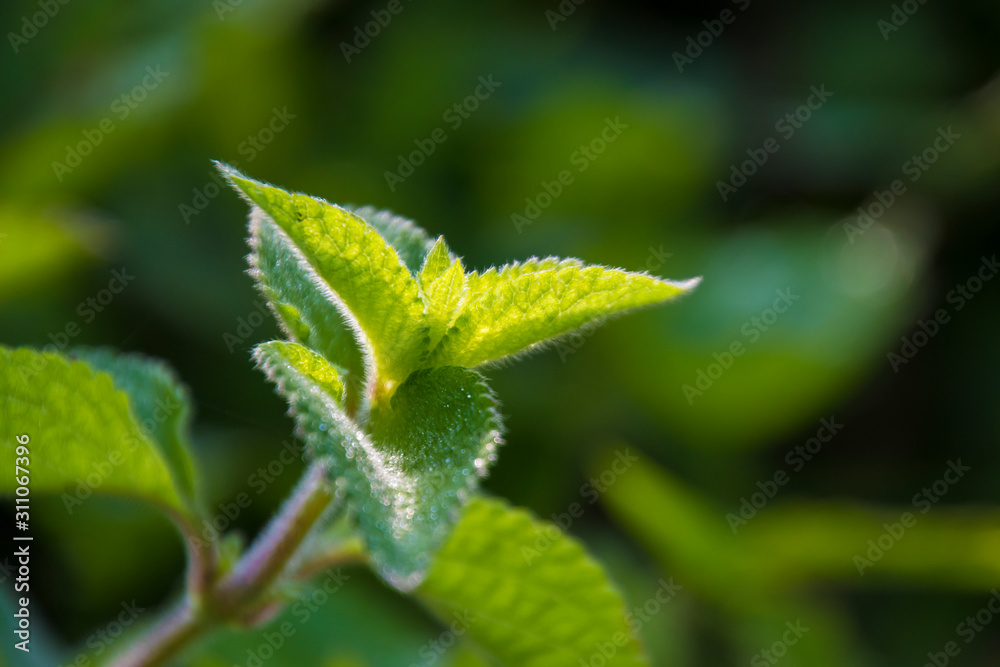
437 262
365 268
410 450
523 305
789 548
409 466
443 282
36 242
410 241
84 437
527 593
362 275
294 291
160 405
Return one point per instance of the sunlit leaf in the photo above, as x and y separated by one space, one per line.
295 293
443 282
426 428
361 273
524 305
160 404
410 241
84 435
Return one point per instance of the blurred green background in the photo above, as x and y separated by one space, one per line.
272 88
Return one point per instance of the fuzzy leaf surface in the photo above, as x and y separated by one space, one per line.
294 292
160 405
407 470
83 431
520 306
527 606
443 283
410 241
363 274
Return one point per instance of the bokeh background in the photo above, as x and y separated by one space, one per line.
268 86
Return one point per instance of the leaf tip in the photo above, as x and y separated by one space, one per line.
686 285
227 170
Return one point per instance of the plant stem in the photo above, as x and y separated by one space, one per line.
266 560
209 603
323 562
165 639
201 557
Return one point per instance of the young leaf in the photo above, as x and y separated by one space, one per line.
160 405
295 294
410 241
83 432
439 316
523 305
361 272
412 463
428 422
527 593
443 282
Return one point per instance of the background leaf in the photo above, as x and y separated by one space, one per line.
760 576
160 405
527 593
84 437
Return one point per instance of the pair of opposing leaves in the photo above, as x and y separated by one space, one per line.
386 330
